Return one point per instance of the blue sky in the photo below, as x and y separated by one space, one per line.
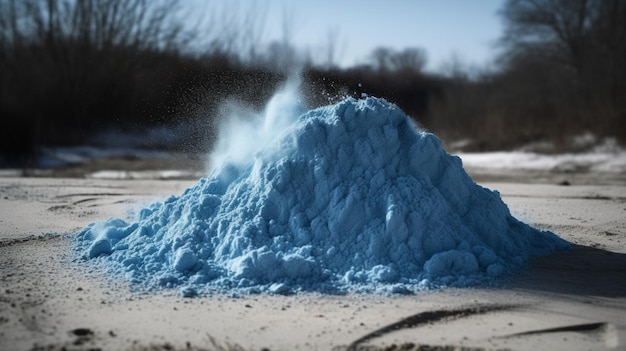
465 28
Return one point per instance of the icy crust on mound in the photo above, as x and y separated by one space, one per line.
352 197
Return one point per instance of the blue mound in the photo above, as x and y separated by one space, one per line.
350 197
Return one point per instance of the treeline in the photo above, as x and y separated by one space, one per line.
562 72
71 68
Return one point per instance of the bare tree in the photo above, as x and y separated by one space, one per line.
281 55
550 28
581 45
410 59
139 24
235 31
331 48
381 58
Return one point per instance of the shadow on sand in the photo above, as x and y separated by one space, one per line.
582 271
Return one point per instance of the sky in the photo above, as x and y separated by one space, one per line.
465 29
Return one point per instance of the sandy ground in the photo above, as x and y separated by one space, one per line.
569 301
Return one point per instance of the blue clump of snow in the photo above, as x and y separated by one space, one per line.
347 197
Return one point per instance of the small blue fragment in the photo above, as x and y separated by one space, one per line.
100 247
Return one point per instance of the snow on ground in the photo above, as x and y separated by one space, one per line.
128 162
100 162
606 158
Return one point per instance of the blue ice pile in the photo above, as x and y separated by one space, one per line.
347 197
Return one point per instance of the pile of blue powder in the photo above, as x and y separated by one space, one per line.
350 197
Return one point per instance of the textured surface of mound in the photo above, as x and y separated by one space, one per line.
350 197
